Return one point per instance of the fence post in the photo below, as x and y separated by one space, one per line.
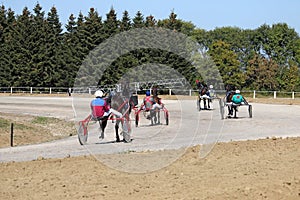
274 94
170 92
50 90
11 90
254 92
12 134
89 90
293 95
190 92
30 90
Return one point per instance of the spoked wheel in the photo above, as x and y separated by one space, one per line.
82 133
250 111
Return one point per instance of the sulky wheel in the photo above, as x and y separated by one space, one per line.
250 111
82 133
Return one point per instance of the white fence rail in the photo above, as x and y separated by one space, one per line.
34 90
65 90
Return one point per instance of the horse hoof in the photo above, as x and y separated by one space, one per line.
118 140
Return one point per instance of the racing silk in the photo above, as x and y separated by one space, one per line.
237 98
99 107
148 102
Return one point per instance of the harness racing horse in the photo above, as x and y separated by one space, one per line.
118 103
124 106
230 91
231 107
203 95
151 111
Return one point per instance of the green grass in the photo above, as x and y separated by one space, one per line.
42 120
21 127
4 123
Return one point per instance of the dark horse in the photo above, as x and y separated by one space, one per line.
204 95
119 103
123 105
230 91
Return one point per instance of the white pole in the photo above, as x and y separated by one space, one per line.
11 90
254 94
30 90
190 92
274 94
50 90
170 92
293 95
89 90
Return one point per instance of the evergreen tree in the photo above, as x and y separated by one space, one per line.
150 21
125 23
57 74
172 23
138 20
7 20
21 46
111 24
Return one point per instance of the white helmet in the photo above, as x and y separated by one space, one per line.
237 91
99 93
211 86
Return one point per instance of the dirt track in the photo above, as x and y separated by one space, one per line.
262 169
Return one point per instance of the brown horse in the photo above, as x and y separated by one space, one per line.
203 92
230 91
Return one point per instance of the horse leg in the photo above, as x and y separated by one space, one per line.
158 116
117 131
205 107
235 110
102 124
208 102
229 110
151 116
155 115
199 104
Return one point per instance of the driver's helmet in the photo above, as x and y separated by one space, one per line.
211 86
147 93
99 93
237 91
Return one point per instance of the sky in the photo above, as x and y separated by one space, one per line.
204 14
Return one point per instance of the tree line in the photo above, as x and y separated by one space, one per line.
37 50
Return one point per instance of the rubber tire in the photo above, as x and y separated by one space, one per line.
167 119
250 111
81 137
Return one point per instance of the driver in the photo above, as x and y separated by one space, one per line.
149 103
100 110
237 98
